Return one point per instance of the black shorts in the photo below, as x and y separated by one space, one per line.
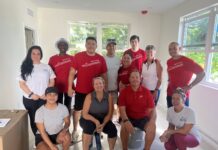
139 123
89 127
38 138
79 100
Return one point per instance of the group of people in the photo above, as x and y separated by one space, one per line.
104 84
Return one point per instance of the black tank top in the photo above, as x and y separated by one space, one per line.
99 109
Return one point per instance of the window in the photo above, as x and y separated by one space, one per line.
102 31
199 38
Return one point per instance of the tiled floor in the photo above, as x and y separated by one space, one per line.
157 145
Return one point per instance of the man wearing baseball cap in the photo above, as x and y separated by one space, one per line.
113 64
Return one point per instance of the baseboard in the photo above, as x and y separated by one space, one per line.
208 142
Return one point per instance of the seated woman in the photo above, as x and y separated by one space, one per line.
49 121
181 132
96 115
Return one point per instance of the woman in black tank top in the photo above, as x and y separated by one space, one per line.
97 114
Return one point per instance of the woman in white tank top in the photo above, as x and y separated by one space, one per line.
152 73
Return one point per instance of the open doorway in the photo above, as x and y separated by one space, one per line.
29 36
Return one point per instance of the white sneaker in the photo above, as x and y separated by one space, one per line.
75 136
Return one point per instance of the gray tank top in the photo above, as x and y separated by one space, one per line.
99 109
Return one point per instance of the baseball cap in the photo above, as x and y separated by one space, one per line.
111 41
51 90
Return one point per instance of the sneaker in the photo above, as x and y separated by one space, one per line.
34 146
75 136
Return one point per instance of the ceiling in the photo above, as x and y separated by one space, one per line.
134 6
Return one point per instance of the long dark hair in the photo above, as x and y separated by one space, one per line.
27 64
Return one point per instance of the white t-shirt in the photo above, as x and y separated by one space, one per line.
113 64
149 75
178 119
53 119
38 81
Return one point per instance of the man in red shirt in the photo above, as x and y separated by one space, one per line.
87 65
180 71
137 109
60 63
139 55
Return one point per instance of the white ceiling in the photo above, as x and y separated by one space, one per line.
136 6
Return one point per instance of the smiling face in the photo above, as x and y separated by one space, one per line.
135 79
63 47
91 46
177 100
174 50
111 49
134 44
98 84
51 98
36 56
150 53
126 60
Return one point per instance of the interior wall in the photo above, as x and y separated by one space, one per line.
203 99
53 24
14 18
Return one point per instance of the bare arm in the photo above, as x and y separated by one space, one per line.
24 87
51 82
198 79
184 130
104 76
71 77
159 74
125 120
26 90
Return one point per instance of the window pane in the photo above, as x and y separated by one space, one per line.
116 31
78 34
195 33
214 68
198 57
215 34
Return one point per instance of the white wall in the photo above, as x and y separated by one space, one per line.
53 24
13 18
203 99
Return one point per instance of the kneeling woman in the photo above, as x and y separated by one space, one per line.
181 132
49 121
96 115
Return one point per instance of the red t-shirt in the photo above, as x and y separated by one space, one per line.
87 68
138 58
123 74
180 72
137 102
61 65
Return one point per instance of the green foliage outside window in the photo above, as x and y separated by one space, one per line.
198 57
195 32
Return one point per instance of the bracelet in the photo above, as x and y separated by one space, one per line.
30 94
125 120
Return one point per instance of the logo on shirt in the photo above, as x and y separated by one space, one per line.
176 65
138 56
183 119
91 63
140 96
64 61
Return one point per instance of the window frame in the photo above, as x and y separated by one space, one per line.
99 30
211 12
